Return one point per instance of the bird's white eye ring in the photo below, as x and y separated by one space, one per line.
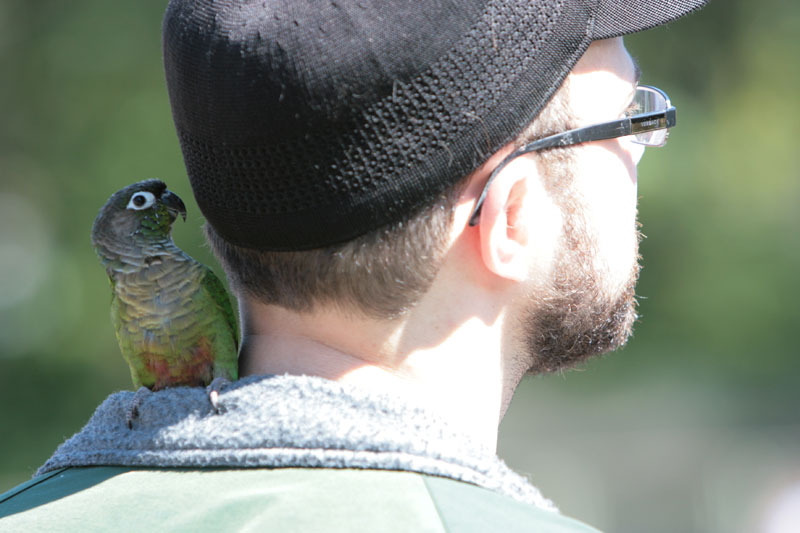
141 200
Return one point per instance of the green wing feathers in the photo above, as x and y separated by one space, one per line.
226 327
217 291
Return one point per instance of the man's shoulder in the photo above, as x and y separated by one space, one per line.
280 499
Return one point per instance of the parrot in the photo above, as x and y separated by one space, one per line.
173 319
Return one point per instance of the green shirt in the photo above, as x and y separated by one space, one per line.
281 499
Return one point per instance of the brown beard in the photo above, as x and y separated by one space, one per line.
575 318
576 322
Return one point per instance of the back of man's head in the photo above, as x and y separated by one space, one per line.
327 142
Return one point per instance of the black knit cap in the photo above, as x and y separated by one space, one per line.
306 123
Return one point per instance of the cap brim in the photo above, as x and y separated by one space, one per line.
622 17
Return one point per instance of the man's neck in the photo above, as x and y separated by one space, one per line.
451 364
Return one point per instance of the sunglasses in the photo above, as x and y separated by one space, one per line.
647 121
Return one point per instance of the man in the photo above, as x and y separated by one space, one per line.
416 204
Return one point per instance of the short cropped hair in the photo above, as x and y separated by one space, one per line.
381 274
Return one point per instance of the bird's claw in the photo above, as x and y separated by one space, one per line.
213 391
133 408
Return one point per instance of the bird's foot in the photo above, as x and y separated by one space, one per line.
213 390
133 409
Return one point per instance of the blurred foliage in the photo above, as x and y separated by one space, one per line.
85 111
720 204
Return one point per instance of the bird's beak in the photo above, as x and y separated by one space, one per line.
174 204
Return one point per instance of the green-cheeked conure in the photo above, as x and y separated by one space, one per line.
172 315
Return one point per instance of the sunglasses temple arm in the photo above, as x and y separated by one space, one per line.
598 132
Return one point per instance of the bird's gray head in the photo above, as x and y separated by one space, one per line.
139 214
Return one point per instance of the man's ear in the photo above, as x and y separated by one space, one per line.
504 231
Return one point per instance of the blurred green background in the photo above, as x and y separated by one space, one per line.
694 426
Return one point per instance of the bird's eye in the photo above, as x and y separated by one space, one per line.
141 200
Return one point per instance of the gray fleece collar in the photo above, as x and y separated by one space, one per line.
286 421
